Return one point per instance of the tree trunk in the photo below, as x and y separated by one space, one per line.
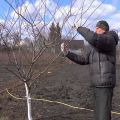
28 102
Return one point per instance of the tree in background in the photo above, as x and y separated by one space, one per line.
55 37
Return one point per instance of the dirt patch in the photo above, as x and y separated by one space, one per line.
69 83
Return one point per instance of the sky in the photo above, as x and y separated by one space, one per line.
59 10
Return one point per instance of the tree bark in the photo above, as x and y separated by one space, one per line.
28 102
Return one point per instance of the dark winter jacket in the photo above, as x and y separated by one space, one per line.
101 57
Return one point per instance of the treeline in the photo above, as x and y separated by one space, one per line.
15 40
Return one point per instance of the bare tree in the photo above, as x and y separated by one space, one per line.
35 26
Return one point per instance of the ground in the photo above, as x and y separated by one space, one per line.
68 83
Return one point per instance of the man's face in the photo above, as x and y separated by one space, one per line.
99 30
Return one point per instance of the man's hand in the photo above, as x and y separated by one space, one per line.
75 27
64 48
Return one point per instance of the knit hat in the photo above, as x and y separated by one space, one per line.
103 24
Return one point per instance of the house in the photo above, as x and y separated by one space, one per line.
75 45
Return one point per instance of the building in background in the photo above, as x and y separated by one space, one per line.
76 45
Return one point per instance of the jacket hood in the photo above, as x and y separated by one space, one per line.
115 35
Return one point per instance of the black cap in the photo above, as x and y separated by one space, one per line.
103 24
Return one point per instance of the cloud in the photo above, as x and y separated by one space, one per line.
2 21
59 13
26 7
44 12
87 9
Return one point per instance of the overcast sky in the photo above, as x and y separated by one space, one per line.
109 11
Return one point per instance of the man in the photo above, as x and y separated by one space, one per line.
102 60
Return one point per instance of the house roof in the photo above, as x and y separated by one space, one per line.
74 44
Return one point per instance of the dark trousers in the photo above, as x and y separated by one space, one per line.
103 103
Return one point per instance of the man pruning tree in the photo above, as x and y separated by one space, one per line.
101 57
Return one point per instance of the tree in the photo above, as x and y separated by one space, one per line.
58 29
26 22
55 37
52 34
40 40
16 38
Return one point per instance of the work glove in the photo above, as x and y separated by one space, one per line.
64 48
75 26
